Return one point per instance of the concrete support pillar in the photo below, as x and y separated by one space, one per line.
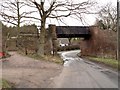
48 43
52 29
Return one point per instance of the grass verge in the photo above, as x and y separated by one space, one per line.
5 84
56 59
109 62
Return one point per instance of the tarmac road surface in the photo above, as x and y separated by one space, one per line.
79 73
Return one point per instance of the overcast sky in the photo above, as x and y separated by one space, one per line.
90 19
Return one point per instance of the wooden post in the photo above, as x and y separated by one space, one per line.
54 38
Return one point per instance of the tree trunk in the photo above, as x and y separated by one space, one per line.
69 40
41 44
18 13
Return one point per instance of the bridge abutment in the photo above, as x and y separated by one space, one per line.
53 39
100 44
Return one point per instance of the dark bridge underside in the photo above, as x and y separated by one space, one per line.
73 35
73 31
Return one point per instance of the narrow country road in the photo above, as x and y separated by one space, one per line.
79 73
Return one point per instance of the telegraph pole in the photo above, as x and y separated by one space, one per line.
118 30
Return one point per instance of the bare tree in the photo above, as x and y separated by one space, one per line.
58 9
12 12
108 17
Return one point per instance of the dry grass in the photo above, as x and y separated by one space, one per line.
107 61
5 84
56 59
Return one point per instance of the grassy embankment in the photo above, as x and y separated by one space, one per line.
109 62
